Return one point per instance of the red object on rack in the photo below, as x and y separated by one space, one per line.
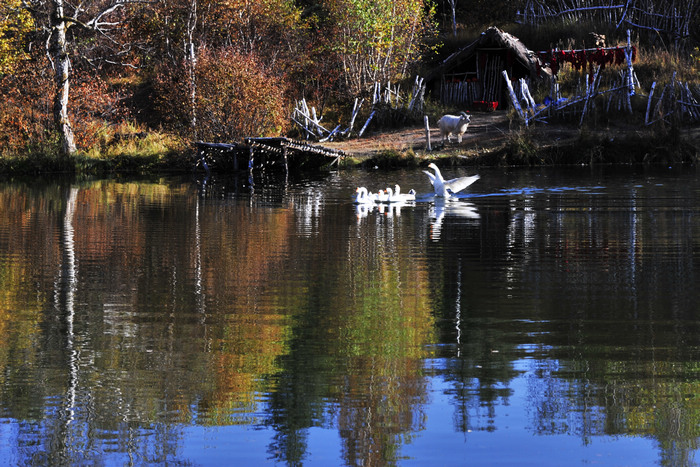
580 58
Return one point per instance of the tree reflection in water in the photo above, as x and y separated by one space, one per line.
133 312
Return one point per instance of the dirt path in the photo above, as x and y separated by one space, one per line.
487 130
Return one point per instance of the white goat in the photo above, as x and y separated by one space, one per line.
453 124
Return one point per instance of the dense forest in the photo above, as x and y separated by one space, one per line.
81 78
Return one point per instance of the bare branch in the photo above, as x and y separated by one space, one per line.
94 23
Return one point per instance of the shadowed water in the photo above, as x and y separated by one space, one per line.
541 317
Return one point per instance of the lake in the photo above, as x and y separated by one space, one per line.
544 317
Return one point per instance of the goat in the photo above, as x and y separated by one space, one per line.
453 124
598 39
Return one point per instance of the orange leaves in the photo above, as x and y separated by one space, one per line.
25 110
237 97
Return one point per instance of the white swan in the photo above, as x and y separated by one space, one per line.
363 196
444 187
360 195
387 195
397 197
383 195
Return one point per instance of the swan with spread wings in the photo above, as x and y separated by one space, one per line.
445 188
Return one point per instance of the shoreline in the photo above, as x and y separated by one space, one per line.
492 139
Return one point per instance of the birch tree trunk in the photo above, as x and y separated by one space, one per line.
58 51
192 60
454 16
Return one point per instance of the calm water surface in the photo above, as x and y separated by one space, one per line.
544 317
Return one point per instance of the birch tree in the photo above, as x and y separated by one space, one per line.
453 8
191 57
197 39
64 27
377 40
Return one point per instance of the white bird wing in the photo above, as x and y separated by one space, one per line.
431 176
458 184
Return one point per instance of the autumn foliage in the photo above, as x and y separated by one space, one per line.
25 110
375 40
235 98
208 69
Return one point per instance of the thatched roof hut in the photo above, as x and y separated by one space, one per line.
473 74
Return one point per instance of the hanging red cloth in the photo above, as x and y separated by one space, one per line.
579 59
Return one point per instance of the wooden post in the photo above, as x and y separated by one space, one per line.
525 91
250 162
630 71
366 124
651 93
591 90
415 95
513 97
427 132
355 111
284 158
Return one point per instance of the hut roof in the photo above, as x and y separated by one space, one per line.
491 38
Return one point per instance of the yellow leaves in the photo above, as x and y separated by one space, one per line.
254 25
377 40
15 25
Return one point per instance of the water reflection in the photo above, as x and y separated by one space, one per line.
363 210
450 207
283 324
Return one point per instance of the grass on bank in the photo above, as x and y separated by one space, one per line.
123 148
130 148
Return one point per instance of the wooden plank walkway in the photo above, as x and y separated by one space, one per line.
265 154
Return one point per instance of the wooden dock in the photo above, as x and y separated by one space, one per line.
262 154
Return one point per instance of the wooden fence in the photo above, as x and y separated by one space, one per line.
671 19
676 100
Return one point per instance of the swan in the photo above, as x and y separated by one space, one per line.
388 195
445 187
363 196
383 195
410 196
397 196
360 195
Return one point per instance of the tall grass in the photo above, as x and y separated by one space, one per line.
654 64
130 139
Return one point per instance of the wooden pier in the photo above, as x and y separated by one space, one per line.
262 154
